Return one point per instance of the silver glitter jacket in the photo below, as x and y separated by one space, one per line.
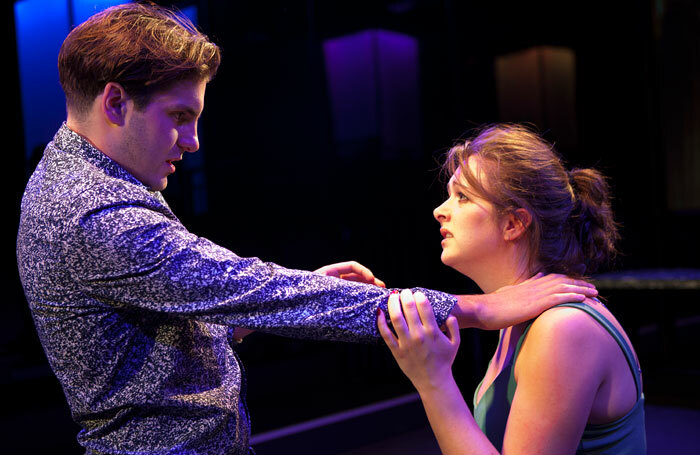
136 314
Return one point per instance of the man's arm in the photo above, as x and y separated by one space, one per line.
514 304
349 270
135 254
505 307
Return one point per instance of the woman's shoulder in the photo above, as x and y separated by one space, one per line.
567 324
590 319
565 337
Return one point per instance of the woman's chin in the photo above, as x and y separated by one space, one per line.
456 265
450 262
445 259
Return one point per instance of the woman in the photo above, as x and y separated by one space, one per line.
566 382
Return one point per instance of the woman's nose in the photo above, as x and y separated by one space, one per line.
440 212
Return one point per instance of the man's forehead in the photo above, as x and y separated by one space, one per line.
184 94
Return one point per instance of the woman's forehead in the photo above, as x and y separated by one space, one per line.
473 167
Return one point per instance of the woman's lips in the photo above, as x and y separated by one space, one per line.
445 233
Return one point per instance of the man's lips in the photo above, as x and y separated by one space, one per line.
445 233
171 162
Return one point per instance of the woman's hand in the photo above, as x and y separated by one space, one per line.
351 271
424 353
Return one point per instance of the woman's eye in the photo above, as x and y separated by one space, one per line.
462 197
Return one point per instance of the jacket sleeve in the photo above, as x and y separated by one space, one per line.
138 255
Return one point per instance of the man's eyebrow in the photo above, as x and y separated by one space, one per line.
186 108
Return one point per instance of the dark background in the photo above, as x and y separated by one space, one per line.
274 181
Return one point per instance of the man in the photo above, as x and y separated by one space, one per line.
136 314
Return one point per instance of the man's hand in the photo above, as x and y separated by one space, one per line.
351 271
511 305
239 333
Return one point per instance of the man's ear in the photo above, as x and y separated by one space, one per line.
516 223
114 103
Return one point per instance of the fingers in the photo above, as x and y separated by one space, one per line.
563 279
410 312
586 291
425 310
327 270
385 331
348 267
572 285
396 316
453 330
351 277
351 271
412 318
556 299
239 333
534 277
359 279
406 317
583 284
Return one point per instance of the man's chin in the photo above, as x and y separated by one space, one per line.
159 185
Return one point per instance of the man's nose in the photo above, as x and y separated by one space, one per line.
188 140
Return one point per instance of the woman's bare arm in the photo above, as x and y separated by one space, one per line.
559 370
425 354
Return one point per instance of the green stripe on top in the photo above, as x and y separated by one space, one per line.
623 436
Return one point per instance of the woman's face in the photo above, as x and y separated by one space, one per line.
469 227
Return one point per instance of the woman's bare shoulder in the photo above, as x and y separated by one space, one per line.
564 337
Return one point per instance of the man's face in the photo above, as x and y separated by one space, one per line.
157 136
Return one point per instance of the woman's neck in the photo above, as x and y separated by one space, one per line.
504 270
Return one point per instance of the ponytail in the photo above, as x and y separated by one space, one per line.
592 219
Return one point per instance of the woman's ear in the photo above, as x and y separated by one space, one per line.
114 103
516 223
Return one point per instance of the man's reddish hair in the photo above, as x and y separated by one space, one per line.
143 47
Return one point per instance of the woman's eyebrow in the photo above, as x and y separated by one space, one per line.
450 186
459 186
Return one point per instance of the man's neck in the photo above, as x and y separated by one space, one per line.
84 130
